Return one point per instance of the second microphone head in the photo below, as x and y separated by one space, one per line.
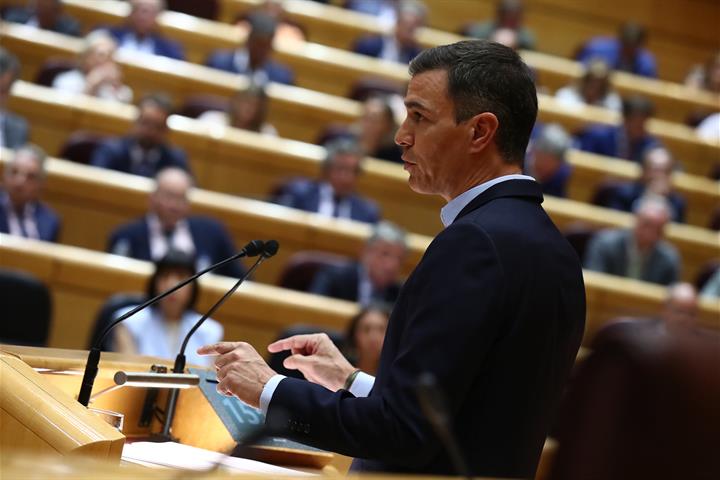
271 248
254 248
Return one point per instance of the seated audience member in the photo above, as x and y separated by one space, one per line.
508 16
709 128
145 150
253 58
657 169
21 211
334 194
247 110
44 14
168 225
97 74
711 289
400 45
13 128
707 76
639 252
375 278
374 131
160 330
547 162
385 11
681 306
365 336
286 29
630 140
140 32
625 53
593 88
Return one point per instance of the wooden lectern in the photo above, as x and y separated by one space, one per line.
38 416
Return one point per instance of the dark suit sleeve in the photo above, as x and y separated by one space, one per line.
323 282
226 248
452 322
104 156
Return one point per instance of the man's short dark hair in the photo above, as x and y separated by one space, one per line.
341 146
485 76
9 63
158 99
637 105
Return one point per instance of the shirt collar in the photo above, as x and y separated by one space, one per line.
450 211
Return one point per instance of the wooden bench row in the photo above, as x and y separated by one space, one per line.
337 27
248 164
81 280
148 73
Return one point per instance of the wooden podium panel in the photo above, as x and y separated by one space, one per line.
38 416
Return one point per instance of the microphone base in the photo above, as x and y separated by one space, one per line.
160 438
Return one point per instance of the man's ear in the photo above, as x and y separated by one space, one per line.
484 128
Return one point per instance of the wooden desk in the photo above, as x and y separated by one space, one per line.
302 114
239 162
80 280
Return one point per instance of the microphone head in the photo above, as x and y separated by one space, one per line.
254 248
271 248
432 400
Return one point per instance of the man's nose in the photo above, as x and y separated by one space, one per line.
403 137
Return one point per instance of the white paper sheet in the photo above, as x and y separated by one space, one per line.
176 455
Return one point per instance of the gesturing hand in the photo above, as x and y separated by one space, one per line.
317 357
241 371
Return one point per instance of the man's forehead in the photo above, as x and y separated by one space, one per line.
427 90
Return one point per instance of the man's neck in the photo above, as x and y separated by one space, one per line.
484 176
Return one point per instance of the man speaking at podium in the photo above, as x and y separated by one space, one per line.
495 309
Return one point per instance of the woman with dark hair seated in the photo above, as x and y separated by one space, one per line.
159 330
365 336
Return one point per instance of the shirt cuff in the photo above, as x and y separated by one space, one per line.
362 385
268 391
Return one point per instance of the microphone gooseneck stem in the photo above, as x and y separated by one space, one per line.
180 359
91 367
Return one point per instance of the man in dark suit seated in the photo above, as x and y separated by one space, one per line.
375 278
640 252
21 211
254 58
657 168
44 14
547 162
334 194
630 140
13 128
145 151
494 311
140 32
401 45
168 224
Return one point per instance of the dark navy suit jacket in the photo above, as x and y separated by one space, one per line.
372 46
305 195
15 130
607 140
65 24
495 310
225 60
163 46
608 49
115 155
624 196
212 243
47 221
343 282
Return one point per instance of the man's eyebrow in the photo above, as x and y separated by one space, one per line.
416 105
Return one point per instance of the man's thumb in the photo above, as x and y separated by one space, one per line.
298 362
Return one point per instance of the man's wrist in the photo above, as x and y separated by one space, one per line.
351 378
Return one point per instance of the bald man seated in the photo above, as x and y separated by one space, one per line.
168 224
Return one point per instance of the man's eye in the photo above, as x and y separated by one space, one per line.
417 116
